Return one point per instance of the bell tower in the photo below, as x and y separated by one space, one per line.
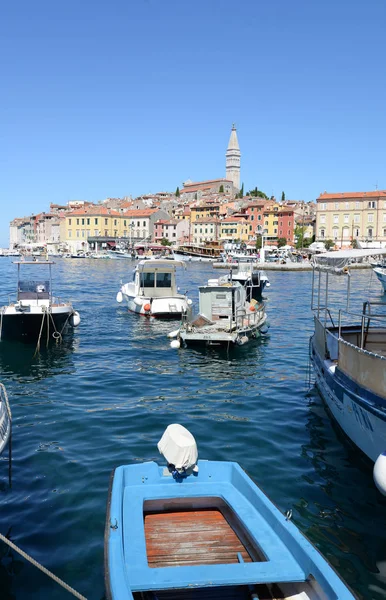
233 159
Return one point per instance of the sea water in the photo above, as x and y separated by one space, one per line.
104 396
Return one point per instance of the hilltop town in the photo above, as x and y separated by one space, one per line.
204 212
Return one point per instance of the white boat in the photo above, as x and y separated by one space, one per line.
226 316
381 274
348 353
153 291
121 254
36 314
253 280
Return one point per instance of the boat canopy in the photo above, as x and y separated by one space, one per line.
149 265
338 261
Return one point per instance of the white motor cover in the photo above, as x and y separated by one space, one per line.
179 447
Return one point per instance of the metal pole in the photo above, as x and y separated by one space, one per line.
326 301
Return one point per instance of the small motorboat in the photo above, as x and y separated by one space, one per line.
153 291
203 529
36 314
229 314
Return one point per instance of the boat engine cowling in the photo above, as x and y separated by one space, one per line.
379 473
179 448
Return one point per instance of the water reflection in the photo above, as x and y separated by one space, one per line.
339 487
19 361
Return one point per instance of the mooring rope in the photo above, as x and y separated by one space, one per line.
43 569
40 332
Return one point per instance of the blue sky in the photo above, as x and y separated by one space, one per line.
127 97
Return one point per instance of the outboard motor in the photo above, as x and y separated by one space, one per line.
179 448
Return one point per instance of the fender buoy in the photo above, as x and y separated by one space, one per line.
75 319
252 308
119 297
379 473
146 307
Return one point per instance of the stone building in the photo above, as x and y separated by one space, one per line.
233 160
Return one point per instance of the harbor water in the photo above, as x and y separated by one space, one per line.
105 395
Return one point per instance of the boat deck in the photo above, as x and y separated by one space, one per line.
192 537
220 593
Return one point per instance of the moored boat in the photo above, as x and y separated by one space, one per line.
153 291
348 353
36 314
202 529
229 314
380 272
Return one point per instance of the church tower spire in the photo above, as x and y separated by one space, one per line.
233 159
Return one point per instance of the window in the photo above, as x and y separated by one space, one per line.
95 221
106 233
69 221
384 217
83 233
347 205
384 232
259 217
335 233
77 221
69 232
357 205
147 279
144 223
336 205
88 221
275 231
322 206
106 221
336 218
115 222
346 218
77 233
356 232
370 218
96 232
371 204
252 217
82 221
138 223
322 218
370 232
124 222
356 218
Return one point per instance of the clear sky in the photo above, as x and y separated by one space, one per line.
127 97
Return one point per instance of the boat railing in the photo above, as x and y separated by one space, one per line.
364 318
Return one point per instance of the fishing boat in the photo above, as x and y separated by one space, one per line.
36 314
203 529
153 291
253 280
229 314
348 354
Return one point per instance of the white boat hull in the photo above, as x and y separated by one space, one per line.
170 307
381 274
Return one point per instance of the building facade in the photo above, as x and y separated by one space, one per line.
349 216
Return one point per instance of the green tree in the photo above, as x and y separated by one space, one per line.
177 194
281 242
259 242
221 189
241 194
165 242
329 244
283 197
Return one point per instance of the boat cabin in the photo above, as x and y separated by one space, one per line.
221 301
156 278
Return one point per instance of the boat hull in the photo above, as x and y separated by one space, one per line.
360 414
213 337
381 274
26 326
160 308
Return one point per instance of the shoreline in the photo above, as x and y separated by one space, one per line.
268 266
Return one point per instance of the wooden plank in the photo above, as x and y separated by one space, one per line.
191 537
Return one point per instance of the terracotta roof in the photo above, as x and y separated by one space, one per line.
140 212
348 195
94 211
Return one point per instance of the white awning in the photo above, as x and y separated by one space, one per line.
338 260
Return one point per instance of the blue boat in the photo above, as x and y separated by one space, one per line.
203 529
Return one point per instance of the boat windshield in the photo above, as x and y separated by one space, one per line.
161 280
33 289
